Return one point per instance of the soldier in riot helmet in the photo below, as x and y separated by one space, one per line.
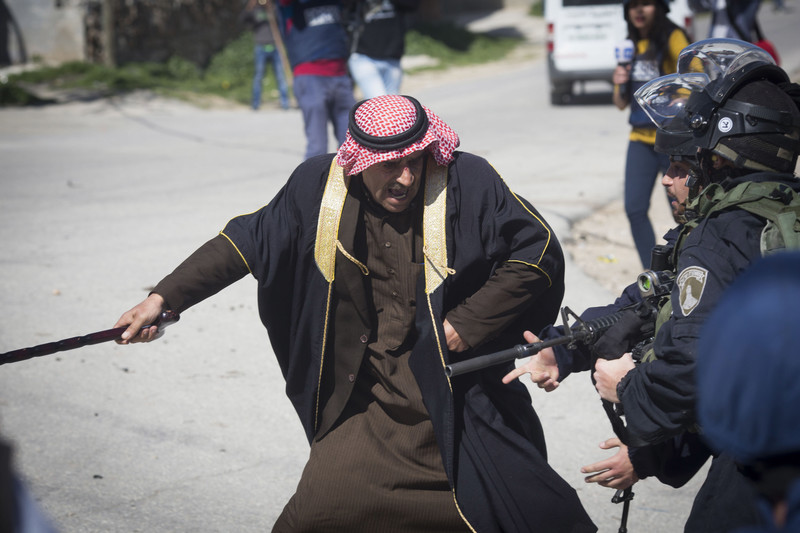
729 120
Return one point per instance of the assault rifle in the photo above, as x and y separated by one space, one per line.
653 285
584 332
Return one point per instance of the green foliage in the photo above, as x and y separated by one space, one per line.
14 95
455 46
230 72
181 69
537 9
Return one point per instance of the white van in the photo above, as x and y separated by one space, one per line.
581 37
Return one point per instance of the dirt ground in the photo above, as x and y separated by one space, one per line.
601 244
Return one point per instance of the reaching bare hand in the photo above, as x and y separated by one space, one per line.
542 367
616 472
136 318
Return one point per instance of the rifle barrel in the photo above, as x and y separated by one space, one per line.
517 352
587 332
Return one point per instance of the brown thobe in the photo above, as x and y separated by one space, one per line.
379 468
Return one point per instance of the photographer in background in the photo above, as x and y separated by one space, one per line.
377 31
657 43
259 15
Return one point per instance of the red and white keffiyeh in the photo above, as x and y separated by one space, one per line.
388 127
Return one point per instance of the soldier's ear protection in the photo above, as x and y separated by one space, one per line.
694 178
694 174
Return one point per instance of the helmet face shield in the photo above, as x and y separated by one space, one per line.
699 64
664 99
695 109
717 58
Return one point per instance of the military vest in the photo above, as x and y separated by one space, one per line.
775 202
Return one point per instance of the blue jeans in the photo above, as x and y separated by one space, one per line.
375 76
642 167
323 99
262 55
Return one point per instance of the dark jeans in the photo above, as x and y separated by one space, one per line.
642 167
261 56
323 99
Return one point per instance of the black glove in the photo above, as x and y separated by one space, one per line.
624 335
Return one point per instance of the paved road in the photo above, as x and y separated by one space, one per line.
99 199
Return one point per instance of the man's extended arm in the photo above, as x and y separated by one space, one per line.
211 268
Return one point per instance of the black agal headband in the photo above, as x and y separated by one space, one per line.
391 142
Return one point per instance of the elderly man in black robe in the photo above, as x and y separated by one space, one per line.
377 267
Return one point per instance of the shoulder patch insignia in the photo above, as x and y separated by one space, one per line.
691 283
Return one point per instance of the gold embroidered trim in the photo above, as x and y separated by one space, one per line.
322 356
433 227
539 220
464 518
535 267
330 211
438 340
359 264
237 251
546 228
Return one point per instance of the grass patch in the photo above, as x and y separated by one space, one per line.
452 45
229 74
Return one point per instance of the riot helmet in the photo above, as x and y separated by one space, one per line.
726 98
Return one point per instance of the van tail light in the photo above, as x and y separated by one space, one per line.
550 38
688 24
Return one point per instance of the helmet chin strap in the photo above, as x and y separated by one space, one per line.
695 181
696 175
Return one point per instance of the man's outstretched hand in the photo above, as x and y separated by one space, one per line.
542 367
147 312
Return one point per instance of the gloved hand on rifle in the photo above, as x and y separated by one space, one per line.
626 333
542 367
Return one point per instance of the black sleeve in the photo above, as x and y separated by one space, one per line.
674 461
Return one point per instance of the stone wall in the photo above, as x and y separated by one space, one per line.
50 30
155 30
55 31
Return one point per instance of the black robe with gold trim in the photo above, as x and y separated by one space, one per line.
491 441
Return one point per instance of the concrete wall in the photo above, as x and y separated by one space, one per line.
49 29
56 30
191 30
